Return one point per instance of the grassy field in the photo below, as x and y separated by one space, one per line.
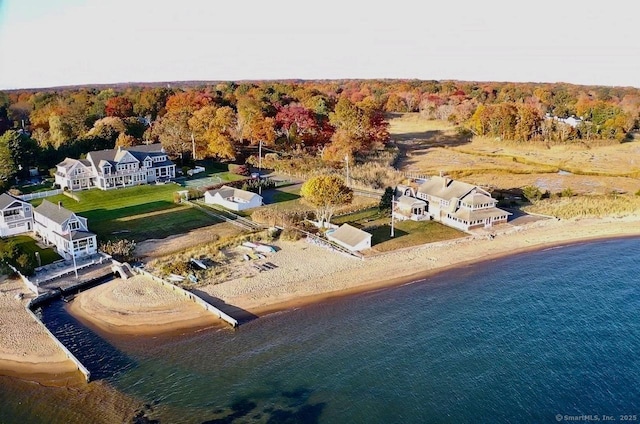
430 147
137 213
406 233
29 246
587 206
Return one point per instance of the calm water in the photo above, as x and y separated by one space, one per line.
522 340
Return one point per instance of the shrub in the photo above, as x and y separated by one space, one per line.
121 250
532 193
11 253
274 217
567 192
290 234
255 184
239 169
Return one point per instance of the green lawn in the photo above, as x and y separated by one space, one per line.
217 169
34 188
406 233
29 246
137 213
411 233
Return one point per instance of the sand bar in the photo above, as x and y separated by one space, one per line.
137 306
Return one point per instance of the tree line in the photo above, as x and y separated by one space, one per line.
327 118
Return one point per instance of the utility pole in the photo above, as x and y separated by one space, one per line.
193 145
260 168
73 253
346 158
393 202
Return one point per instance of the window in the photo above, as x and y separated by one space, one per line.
74 225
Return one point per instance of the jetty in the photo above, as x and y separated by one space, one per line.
193 297
64 279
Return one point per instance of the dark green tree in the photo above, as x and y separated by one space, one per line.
8 167
386 201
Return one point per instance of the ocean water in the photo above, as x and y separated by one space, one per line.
549 336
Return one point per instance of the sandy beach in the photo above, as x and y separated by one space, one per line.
307 273
304 273
25 347
139 306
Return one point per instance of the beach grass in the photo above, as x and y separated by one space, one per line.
595 166
136 213
587 206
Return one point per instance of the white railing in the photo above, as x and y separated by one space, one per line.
39 194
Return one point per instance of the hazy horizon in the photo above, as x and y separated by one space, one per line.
57 43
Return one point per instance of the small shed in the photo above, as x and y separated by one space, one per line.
233 198
351 238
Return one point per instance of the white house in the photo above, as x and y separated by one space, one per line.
64 229
351 238
454 203
233 198
16 217
113 168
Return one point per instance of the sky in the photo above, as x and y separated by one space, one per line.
45 43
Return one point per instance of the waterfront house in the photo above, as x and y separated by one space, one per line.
351 238
233 198
454 203
113 168
16 217
60 227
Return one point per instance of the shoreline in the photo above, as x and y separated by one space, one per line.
418 277
399 268
306 274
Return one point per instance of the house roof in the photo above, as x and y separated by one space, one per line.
408 201
349 236
7 200
67 163
80 235
445 188
140 153
155 147
469 215
56 213
479 199
226 191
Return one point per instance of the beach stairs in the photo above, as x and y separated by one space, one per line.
124 270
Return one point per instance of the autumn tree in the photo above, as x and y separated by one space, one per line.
118 106
296 124
213 130
125 140
172 129
357 131
252 123
326 193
